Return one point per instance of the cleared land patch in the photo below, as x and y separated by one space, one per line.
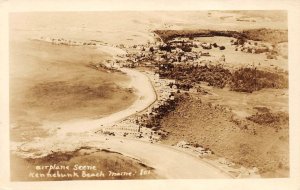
242 141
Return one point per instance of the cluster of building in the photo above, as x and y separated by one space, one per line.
137 126
62 41
129 128
251 46
197 150
145 125
177 51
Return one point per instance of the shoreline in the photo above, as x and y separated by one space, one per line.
71 135
148 154
146 96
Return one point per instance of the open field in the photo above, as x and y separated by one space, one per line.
246 104
240 141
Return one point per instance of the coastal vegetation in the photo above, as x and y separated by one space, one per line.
242 80
261 34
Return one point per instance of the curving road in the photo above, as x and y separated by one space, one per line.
168 162
145 97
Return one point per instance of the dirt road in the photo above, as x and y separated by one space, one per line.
168 162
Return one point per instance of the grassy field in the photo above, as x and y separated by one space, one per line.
54 83
242 141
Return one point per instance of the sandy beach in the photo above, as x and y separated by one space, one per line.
146 96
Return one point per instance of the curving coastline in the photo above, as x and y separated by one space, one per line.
146 96
72 135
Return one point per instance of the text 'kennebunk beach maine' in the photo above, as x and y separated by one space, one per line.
80 171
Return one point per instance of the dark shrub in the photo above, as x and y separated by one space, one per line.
222 47
251 79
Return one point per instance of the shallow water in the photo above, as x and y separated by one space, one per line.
52 83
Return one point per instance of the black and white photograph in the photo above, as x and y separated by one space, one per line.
138 95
